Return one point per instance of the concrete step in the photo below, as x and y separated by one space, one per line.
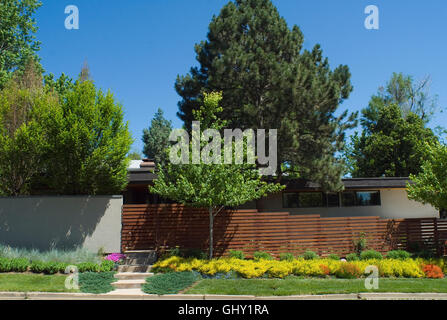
140 257
136 268
129 284
133 275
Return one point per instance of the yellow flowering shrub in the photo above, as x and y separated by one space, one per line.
410 268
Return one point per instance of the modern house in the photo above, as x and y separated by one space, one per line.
381 197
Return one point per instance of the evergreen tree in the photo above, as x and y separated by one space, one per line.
156 138
269 82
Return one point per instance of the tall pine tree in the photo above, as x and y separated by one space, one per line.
268 81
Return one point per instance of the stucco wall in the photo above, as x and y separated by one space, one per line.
394 204
65 222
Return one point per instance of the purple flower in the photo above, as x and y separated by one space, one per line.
115 257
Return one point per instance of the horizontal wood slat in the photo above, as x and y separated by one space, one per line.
170 225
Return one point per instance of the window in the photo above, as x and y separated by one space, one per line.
310 199
332 199
368 198
290 200
361 198
348 199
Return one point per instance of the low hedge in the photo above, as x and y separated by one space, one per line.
410 268
50 267
96 282
170 283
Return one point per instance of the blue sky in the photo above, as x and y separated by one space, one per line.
136 48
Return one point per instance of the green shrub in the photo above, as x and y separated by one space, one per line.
398 254
286 256
333 256
88 267
359 243
50 267
94 282
194 253
352 257
237 254
371 254
37 266
258 255
5 264
170 283
107 266
348 271
310 255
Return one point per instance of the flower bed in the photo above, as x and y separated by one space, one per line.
249 269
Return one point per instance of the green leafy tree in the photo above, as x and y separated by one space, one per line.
89 143
24 106
212 186
156 138
430 185
269 81
17 40
410 95
390 145
134 155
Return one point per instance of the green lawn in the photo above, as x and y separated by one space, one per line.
298 286
33 282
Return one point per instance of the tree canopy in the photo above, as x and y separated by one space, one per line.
269 81
156 138
18 43
213 186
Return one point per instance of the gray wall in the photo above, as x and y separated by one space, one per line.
64 222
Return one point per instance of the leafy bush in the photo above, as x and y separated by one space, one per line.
237 254
333 256
348 270
170 283
398 255
194 253
5 265
37 266
258 255
88 267
94 282
310 255
286 256
19 265
352 257
106 266
433 271
371 254
50 267
359 243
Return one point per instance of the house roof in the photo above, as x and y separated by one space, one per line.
142 172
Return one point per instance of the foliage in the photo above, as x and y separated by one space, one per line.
193 253
298 267
93 282
13 265
270 82
370 255
17 41
49 267
286 256
359 243
212 186
398 254
89 143
430 185
391 146
433 271
352 257
334 256
258 255
310 255
348 270
237 254
156 138
169 283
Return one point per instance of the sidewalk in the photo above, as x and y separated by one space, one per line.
137 296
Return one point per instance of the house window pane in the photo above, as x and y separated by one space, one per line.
333 199
290 200
310 199
368 198
348 199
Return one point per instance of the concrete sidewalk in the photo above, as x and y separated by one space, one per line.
114 295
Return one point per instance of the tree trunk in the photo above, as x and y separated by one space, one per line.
211 232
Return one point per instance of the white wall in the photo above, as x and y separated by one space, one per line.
394 204
65 222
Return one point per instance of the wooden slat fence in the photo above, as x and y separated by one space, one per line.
167 226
